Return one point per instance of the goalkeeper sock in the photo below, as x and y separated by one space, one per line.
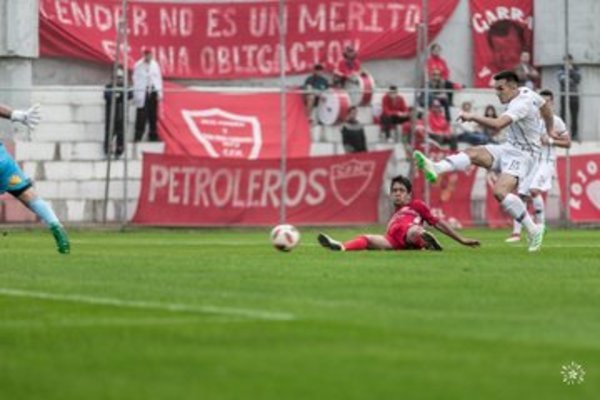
358 243
44 211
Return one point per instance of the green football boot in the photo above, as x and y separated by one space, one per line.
425 165
62 240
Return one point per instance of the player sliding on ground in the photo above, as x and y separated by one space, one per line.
405 229
14 181
542 181
515 159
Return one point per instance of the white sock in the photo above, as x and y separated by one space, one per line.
455 162
538 206
517 227
515 207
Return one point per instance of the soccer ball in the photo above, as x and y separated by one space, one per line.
285 237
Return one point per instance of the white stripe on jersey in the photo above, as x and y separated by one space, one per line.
525 131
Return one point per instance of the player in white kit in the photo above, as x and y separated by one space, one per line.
544 174
515 159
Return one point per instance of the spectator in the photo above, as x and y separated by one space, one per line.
440 90
147 84
394 111
347 66
435 61
469 131
117 92
353 133
439 127
416 131
313 86
492 134
572 71
528 75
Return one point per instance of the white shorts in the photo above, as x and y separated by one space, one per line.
542 179
512 161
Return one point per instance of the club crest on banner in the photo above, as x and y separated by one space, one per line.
224 134
350 179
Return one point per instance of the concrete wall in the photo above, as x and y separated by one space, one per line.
455 38
18 47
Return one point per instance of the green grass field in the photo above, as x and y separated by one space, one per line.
219 314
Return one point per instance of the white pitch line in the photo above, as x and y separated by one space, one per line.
148 305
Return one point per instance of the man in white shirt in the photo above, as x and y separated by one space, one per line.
147 86
544 173
514 159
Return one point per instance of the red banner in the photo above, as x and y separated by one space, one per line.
502 29
237 39
450 197
185 191
584 205
232 125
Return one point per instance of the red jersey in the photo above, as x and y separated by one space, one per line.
437 62
438 123
393 107
414 213
346 68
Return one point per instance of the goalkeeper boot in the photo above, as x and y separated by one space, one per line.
329 243
431 242
61 238
425 165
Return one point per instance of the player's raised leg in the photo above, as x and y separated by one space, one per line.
461 161
43 210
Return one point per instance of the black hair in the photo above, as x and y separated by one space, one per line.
401 179
510 76
393 88
318 67
547 93
502 28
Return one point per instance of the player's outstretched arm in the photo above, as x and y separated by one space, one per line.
29 118
447 230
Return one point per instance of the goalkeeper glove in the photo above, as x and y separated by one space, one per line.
30 118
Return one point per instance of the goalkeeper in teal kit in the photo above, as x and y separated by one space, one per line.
14 181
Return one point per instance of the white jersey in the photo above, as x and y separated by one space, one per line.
525 131
549 151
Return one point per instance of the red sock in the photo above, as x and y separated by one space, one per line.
358 243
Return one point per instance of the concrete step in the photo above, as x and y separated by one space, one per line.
87 190
68 132
73 211
66 113
78 151
75 95
80 170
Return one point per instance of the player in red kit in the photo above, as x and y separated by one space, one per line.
405 229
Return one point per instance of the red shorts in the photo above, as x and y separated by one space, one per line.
396 235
